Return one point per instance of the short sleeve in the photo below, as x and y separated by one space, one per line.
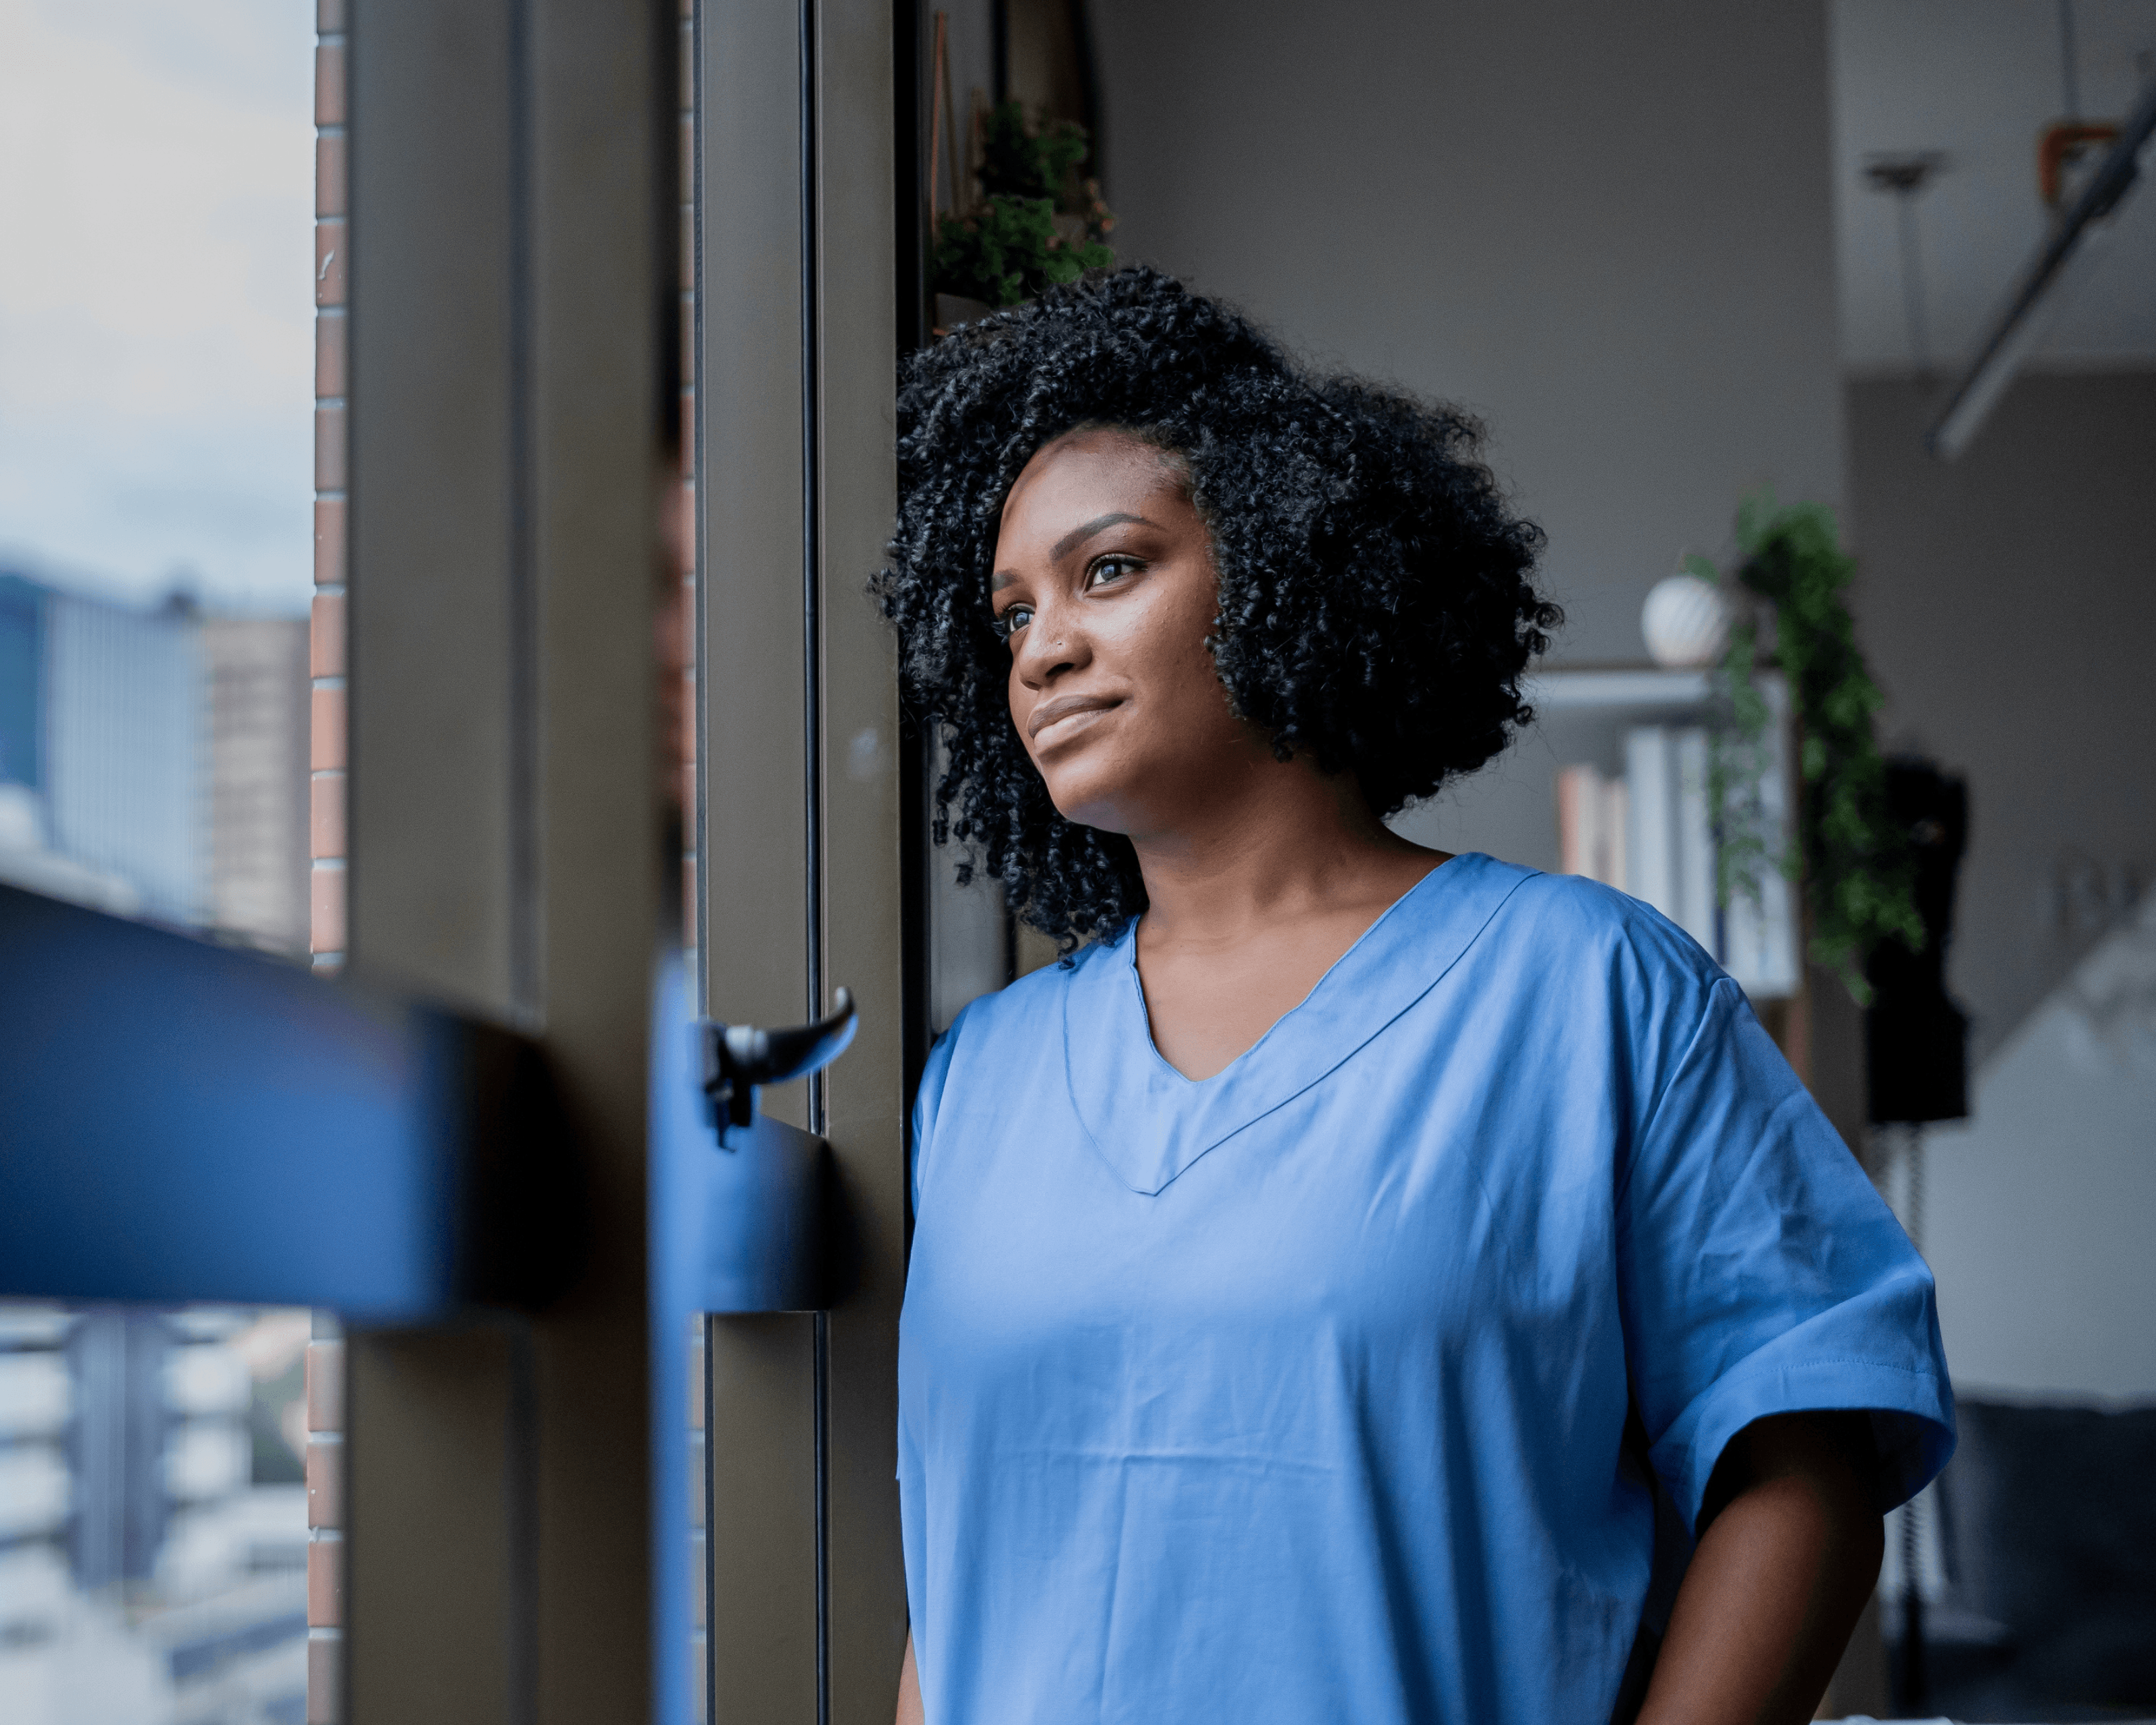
934 1073
1760 1273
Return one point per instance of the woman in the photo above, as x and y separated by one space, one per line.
1320 1274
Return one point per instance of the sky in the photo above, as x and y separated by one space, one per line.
157 164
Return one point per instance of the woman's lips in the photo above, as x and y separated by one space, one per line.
1054 713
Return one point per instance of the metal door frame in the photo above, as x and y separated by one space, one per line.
512 270
511 248
799 851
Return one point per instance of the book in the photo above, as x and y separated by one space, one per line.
1671 841
1590 825
1652 832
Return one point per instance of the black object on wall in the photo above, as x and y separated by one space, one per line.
1916 1037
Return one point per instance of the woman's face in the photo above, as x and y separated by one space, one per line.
1104 586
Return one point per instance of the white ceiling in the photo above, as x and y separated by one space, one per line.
1977 80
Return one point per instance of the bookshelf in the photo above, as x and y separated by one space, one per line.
1631 741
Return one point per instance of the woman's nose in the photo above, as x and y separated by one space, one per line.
1046 648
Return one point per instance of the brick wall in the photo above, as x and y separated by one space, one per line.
326 635
325 820
676 652
677 662
324 1527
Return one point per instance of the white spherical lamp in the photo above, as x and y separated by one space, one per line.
1686 621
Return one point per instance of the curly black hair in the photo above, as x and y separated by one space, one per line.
1376 611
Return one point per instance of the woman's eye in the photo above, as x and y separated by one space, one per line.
1110 568
1012 620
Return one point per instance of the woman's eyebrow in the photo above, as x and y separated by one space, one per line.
1079 535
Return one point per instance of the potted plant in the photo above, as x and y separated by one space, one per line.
1852 856
1036 220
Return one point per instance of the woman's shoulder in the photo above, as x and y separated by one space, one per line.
1570 930
1002 1033
1606 985
1024 1009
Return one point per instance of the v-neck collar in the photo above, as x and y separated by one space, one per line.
1149 1122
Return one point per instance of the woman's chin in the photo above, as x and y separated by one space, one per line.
1088 804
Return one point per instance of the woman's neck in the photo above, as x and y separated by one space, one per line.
1261 883
1283 846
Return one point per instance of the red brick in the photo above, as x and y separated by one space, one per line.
324 1583
329 446
327 730
330 329
325 911
326 798
329 83
326 636
325 1386
331 250
325 1679
329 18
325 1485
329 174
329 541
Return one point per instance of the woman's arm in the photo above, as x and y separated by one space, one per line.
1787 1554
909 1691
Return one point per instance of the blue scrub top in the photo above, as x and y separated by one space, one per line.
1300 1394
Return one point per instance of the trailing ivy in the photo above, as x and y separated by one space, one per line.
1851 857
1009 246
1737 765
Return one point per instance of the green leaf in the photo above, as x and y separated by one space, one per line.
1007 250
1853 858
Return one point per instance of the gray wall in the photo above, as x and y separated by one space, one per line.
2007 602
1607 229
2036 1210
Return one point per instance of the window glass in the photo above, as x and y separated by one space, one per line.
153 1515
157 346
158 495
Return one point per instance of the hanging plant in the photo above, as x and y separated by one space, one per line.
1036 221
1853 858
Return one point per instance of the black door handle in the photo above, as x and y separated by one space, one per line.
735 1059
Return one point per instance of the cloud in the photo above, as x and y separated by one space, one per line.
155 289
